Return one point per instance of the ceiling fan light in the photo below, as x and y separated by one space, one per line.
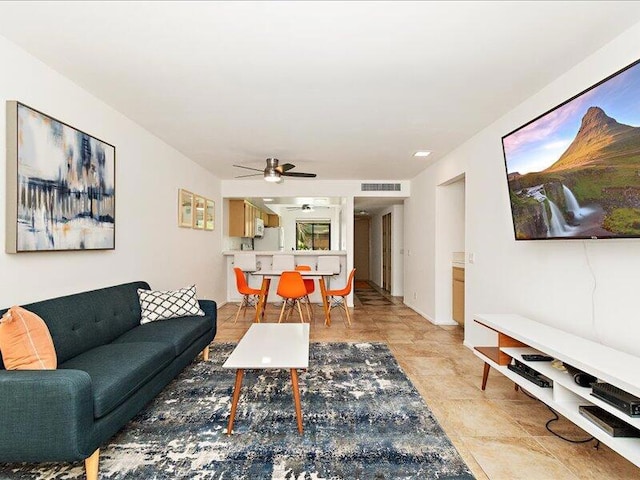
272 176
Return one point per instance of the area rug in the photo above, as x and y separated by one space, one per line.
363 419
371 297
362 285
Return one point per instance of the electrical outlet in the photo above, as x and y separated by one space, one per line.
472 257
415 295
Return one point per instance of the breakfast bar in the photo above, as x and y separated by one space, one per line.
264 261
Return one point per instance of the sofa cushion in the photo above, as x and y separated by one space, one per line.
118 370
177 332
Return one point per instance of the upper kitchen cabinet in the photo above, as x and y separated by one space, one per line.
272 220
243 216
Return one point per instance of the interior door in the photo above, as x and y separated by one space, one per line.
361 229
386 252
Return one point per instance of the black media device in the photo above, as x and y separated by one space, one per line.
536 357
616 397
530 374
608 422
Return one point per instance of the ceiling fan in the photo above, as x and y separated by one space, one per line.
307 207
274 172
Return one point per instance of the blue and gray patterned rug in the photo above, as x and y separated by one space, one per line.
363 419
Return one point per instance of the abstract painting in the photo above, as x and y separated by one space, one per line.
60 185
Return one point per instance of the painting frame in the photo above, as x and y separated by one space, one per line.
209 214
199 203
60 184
185 208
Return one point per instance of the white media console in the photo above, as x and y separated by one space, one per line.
518 335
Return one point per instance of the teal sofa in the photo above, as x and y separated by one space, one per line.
109 368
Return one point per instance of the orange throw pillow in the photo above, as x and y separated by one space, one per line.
25 341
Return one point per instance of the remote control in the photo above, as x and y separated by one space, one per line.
536 357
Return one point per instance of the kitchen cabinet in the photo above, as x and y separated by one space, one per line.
242 218
272 220
457 309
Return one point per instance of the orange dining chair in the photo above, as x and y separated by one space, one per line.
291 288
246 291
310 285
342 293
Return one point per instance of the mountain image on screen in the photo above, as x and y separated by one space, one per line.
592 190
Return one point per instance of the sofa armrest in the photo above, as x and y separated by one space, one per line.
45 415
210 308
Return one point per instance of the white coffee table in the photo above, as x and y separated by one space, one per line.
270 345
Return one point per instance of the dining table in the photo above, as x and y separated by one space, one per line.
267 275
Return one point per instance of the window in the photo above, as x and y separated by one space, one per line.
314 235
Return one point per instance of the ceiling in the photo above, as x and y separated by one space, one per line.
348 90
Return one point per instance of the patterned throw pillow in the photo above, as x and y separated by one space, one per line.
162 305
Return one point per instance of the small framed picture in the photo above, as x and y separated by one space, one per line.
198 212
185 209
209 214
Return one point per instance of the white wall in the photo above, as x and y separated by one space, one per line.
149 244
450 219
547 281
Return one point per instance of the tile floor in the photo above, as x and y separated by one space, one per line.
500 433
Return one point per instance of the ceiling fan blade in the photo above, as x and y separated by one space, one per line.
298 174
284 167
249 168
250 175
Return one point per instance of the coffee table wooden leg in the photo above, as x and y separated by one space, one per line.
236 396
296 397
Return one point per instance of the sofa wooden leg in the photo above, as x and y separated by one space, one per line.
205 353
91 465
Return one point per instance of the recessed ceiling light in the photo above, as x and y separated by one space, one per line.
422 153
267 199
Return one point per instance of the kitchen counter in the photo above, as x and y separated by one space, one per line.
264 260
314 253
458 259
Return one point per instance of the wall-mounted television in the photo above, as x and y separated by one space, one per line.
574 171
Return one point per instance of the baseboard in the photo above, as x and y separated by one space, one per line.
452 323
419 312
221 304
422 314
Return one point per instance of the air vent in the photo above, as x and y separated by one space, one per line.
380 187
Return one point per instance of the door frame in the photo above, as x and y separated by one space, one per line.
387 231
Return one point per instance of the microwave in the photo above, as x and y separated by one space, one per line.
259 230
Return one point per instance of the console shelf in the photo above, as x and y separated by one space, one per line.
519 335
